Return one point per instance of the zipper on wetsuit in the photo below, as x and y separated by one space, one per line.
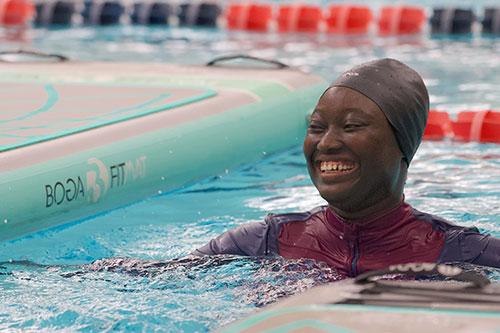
355 258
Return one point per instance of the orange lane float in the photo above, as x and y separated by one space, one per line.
252 17
470 126
400 20
299 18
16 12
438 126
347 19
236 16
259 17
482 126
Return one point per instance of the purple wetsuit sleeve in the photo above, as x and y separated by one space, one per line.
468 245
255 238
249 239
490 256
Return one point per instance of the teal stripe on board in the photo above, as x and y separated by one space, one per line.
266 315
203 95
52 99
310 324
138 108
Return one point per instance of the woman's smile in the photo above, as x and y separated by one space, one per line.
335 170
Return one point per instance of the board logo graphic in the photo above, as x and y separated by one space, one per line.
96 182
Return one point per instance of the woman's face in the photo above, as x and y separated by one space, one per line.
352 154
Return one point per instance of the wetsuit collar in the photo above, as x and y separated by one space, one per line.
379 221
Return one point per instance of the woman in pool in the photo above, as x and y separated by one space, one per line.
360 141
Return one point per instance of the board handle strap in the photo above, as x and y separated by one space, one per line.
30 56
424 269
276 63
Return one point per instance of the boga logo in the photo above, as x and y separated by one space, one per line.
96 182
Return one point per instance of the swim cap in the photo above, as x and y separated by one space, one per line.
399 92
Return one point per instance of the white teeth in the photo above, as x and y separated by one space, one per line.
334 166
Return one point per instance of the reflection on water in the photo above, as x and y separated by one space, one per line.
458 181
132 294
167 295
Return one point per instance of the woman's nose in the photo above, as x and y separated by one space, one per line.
330 141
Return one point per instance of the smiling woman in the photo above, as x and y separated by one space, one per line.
361 139
352 154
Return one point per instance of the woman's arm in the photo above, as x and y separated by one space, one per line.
249 239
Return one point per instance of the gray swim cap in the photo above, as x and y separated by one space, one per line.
399 92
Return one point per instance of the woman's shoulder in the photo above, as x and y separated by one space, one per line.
438 222
277 219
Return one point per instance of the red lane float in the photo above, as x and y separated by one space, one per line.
299 18
347 19
236 16
340 19
474 126
438 126
16 12
399 20
259 17
253 17
482 126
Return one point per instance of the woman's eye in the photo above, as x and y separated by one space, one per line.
352 126
314 127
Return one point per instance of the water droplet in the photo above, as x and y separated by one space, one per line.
162 178
226 171
5 221
160 192
264 153
170 151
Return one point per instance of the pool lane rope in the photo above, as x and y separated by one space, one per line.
344 19
469 126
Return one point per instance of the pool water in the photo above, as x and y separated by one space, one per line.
51 281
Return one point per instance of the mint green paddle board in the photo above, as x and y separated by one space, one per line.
77 138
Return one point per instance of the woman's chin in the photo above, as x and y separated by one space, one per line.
336 197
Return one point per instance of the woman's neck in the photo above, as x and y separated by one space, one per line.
378 208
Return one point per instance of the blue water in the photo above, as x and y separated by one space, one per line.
65 291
